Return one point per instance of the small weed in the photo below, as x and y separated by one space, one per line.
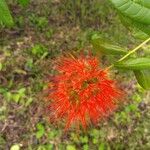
20 21
39 50
49 33
39 22
24 3
70 147
40 130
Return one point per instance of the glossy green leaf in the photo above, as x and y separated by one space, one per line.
139 34
143 78
134 24
5 15
140 31
145 3
133 10
134 64
101 46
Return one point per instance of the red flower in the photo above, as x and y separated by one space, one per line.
82 92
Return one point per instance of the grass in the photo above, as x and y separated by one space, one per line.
43 32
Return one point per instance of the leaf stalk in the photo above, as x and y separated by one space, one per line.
130 52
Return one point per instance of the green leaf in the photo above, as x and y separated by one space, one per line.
101 46
16 97
84 139
1 66
21 91
40 130
95 140
29 101
41 147
133 10
8 96
39 50
85 147
145 3
15 147
101 146
134 24
143 78
5 15
134 64
24 3
71 147
140 31
139 34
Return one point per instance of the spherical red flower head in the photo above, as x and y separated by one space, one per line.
82 92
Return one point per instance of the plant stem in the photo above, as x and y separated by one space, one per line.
130 52
134 50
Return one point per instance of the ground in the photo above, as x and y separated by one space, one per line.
45 30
